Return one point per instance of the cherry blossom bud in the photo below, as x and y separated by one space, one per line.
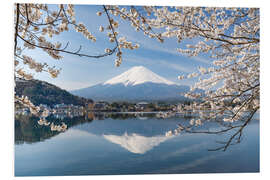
99 13
101 28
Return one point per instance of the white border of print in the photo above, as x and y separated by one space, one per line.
7 87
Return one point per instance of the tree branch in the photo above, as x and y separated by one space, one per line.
69 52
16 27
109 19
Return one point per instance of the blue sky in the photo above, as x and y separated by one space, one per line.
79 72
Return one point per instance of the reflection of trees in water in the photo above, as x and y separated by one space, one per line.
124 116
28 130
120 116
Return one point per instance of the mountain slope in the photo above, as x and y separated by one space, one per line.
146 91
41 92
136 84
137 75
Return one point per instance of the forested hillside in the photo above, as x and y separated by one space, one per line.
40 92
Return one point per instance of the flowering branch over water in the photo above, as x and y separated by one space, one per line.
229 36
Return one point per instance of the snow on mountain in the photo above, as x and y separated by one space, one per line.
138 75
136 84
136 143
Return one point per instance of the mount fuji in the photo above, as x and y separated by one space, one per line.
136 84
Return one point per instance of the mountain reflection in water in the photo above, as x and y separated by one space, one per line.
127 143
28 130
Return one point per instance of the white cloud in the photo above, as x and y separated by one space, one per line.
148 43
71 85
200 59
176 66
164 63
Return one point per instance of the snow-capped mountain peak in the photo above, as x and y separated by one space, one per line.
136 84
137 75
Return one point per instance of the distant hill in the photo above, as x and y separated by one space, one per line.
41 92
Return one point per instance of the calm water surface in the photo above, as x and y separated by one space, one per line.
128 144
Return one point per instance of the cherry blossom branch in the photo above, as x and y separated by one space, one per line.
187 129
239 132
42 24
112 28
16 26
69 52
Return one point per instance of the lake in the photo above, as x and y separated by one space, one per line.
102 144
